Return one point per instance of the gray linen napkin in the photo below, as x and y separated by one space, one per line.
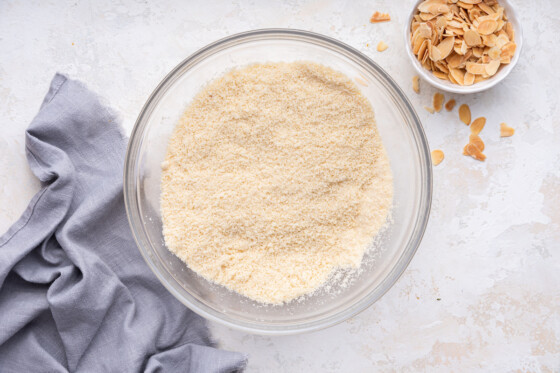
75 293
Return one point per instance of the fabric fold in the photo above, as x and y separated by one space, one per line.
75 293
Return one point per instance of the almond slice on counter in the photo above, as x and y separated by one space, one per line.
438 101
416 83
382 46
379 17
449 105
477 125
505 130
437 157
465 114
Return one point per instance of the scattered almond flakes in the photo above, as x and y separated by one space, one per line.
382 46
449 105
465 114
429 109
438 101
380 17
437 157
505 130
416 83
465 41
477 125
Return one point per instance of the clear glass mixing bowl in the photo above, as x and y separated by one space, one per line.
404 141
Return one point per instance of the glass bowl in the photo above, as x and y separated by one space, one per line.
402 135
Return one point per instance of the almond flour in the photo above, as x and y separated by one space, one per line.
274 178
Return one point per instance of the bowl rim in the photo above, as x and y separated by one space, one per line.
130 187
478 87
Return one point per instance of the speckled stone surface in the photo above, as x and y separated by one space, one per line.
483 291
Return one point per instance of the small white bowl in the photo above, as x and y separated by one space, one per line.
446 85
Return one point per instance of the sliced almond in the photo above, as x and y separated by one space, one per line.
468 79
465 114
437 157
505 60
427 16
425 31
455 24
416 83
441 22
461 49
489 40
381 46
441 75
494 53
445 48
474 13
486 8
502 40
433 7
487 27
449 105
479 78
477 52
451 79
422 49
435 54
476 141
458 75
508 50
454 60
474 152
485 59
509 30
464 5
472 38
441 66
501 25
438 101
505 130
492 67
477 125
417 42
476 68
429 109
379 17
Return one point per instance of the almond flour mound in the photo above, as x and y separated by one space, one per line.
274 178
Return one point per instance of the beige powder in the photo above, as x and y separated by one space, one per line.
275 177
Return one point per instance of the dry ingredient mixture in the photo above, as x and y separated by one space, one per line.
275 177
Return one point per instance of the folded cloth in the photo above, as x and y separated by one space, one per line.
75 293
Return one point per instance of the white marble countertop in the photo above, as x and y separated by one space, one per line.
483 291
